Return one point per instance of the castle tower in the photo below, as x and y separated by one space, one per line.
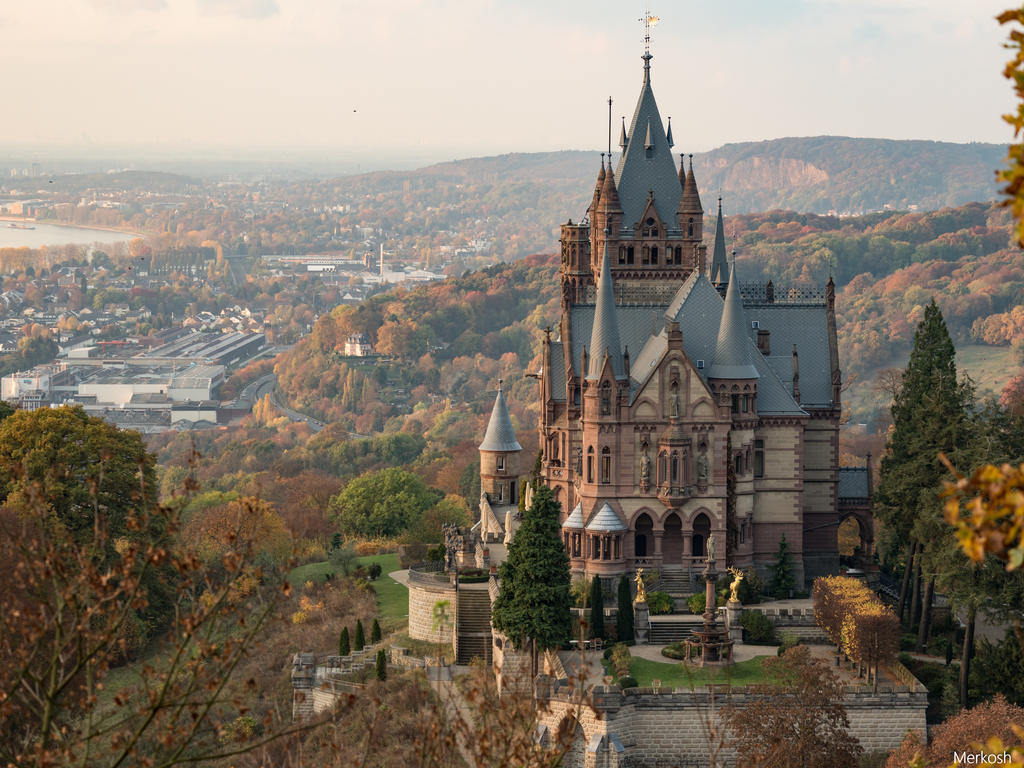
499 459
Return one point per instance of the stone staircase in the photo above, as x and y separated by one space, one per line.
473 639
665 632
676 583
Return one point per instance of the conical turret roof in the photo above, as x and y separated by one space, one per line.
646 162
606 520
732 351
500 435
575 518
690 202
604 336
719 267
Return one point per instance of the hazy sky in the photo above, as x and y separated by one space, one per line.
441 79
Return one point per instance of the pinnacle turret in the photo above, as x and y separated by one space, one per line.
732 352
500 435
719 273
690 201
604 337
597 188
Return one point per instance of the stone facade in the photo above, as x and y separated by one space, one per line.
423 597
640 728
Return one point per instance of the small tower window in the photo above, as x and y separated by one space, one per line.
679 256
645 255
689 228
700 365
675 468
759 458
606 465
735 403
501 463
590 464
606 399
622 255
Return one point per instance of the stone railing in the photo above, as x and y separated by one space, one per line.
905 676
430 574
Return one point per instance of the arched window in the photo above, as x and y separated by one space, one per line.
622 255
679 256
606 464
606 398
701 531
654 254
662 468
590 464
675 468
645 255
629 254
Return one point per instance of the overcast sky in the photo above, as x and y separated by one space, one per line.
442 79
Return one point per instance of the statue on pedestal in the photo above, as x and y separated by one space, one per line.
645 470
711 549
734 587
641 590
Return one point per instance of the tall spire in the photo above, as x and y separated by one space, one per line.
690 202
500 435
604 337
623 141
718 264
732 352
646 161
597 190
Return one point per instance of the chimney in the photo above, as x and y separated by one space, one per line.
763 344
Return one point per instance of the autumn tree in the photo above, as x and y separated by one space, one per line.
796 718
385 503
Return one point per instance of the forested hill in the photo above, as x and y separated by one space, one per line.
449 342
814 175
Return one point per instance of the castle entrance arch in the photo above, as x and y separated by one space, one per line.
672 542
576 755
701 531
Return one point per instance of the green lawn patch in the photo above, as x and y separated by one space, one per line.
392 597
676 675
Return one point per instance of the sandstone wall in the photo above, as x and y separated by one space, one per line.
422 599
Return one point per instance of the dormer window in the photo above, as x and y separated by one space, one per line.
650 228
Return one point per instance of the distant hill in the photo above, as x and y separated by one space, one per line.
809 175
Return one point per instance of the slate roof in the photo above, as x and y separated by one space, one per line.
853 483
719 268
733 349
558 371
575 518
604 335
500 435
606 520
642 169
807 327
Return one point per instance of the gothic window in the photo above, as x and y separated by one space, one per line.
622 255
675 468
759 458
606 465
679 256
662 468
576 545
590 464
738 463
606 398
553 452
501 463
746 403
735 403
501 492
689 228
654 254
645 255
650 228
629 254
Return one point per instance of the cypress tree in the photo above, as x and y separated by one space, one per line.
624 631
344 646
382 665
375 633
596 609
532 608
783 581
360 640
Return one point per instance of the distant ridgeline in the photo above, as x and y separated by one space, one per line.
814 174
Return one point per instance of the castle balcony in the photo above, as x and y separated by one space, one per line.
675 496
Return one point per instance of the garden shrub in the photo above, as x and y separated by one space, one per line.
660 602
620 659
759 628
696 603
675 651
628 681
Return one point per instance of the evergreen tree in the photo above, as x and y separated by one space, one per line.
382 665
596 609
624 630
532 608
344 646
360 640
375 632
783 582
929 417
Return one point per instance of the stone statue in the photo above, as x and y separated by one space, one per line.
579 461
702 467
737 578
711 548
641 590
675 402
645 469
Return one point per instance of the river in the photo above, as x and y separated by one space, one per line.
51 234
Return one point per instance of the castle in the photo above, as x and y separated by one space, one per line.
677 403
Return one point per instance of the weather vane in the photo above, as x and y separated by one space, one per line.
648 22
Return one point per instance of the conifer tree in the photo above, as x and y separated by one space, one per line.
360 639
382 665
929 417
596 609
783 581
532 608
624 630
375 632
344 645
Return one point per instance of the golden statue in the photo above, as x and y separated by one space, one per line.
641 590
737 578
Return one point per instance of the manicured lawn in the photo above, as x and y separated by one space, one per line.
674 675
392 597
